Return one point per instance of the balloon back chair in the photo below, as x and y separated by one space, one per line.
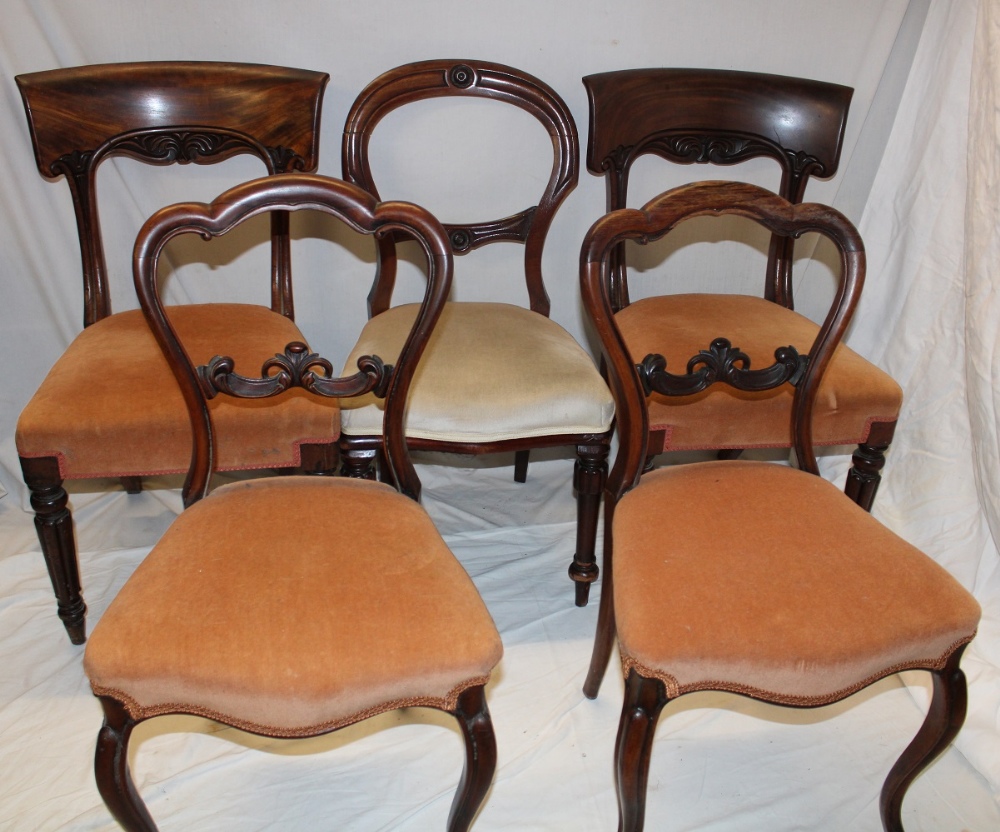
535 387
754 577
290 606
699 116
128 419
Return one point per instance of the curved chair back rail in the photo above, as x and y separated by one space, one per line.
655 219
477 79
720 117
165 112
358 209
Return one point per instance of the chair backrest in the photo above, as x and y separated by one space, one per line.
163 113
477 79
720 117
720 361
297 367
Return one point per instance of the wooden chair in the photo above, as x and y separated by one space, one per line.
291 606
160 113
699 116
535 387
754 577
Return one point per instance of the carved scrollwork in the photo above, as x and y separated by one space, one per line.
695 148
721 362
461 76
464 238
297 367
182 146
73 164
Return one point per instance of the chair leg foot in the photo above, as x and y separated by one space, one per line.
132 485
521 465
114 781
480 758
865 475
54 524
644 700
589 476
943 722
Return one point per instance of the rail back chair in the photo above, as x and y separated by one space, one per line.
161 114
291 606
699 116
790 593
541 388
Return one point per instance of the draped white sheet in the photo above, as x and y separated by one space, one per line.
929 315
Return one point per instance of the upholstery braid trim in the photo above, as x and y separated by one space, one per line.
448 702
675 689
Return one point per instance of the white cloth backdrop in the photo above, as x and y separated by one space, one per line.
930 316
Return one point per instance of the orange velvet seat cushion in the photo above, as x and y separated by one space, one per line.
291 606
854 393
111 407
765 580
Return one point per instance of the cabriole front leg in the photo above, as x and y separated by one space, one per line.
589 476
54 525
480 758
114 781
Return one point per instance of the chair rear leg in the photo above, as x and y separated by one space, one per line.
521 465
320 459
480 758
54 525
604 638
114 781
589 476
865 475
132 485
644 700
943 722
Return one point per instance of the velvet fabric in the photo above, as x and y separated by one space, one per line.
291 606
854 393
779 587
111 406
492 371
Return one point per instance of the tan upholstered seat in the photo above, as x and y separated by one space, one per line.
778 603
290 606
341 620
107 429
752 577
854 394
499 389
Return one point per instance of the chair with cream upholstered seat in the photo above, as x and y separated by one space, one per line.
291 606
131 424
497 377
721 117
753 577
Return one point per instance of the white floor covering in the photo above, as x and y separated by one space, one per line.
719 763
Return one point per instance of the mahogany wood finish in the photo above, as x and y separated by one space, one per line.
724 117
159 113
479 79
646 695
363 213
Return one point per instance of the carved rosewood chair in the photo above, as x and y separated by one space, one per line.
111 377
698 116
291 606
535 387
801 609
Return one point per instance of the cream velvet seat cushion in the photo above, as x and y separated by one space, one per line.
109 407
293 605
492 371
767 581
854 393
